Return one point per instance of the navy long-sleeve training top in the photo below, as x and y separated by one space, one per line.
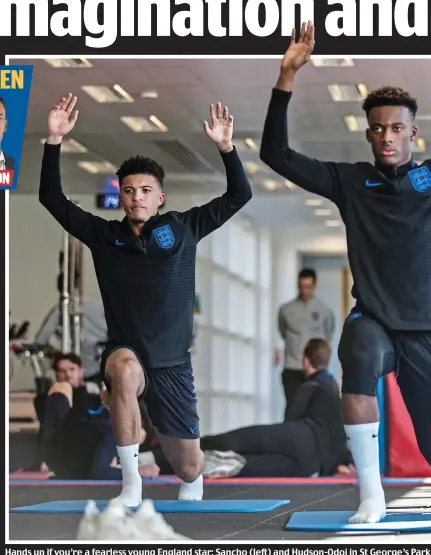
147 282
387 213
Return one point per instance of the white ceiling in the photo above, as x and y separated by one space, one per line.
185 90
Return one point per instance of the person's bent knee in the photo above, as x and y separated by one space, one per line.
190 471
365 353
64 388
124 374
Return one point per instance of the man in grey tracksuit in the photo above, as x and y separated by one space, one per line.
300 320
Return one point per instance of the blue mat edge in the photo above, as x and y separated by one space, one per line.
378 527
161 505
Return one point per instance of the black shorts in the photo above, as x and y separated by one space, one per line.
169 396
368 351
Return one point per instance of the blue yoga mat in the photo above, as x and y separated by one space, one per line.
336 521
164 506
414 481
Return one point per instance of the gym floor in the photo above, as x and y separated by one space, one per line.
221 527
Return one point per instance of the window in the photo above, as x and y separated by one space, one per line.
220 300
233 359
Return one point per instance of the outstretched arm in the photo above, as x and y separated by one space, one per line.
312 175
72 218
203 220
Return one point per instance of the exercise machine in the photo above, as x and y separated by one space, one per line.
70 286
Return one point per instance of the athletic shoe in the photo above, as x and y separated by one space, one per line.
118 523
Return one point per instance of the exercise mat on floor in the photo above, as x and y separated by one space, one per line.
164 506
338 521
406 481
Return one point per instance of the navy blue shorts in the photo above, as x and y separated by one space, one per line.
169 397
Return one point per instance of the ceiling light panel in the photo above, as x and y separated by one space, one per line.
106 95
71 63
348 93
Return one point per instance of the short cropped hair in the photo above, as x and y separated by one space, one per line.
140 165
390 96
71 357
318 352
2 101
307 273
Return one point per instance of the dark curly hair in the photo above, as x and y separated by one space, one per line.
71 357
390 96
140 165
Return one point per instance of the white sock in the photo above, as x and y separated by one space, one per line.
131 493
192 491
364 445
146 459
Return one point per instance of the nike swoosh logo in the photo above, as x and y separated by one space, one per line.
117 242
369 183
374 435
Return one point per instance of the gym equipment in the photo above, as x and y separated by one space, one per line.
35 354
338 521
70 286
164 506
18 332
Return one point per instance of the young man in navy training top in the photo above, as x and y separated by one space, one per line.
386 207
145 266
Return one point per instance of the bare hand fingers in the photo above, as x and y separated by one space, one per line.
302 33
310 33
213 113
71 104
226 113
219 110
74 116
66 101
293 36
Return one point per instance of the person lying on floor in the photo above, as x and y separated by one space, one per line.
78 441
311 440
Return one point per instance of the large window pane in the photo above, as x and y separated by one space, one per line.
220 301
219 363
220 246
265 263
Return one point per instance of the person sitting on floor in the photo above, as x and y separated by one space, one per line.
77 437
311 440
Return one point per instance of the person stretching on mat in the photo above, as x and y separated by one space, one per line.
310 441
386 207
145 266
77 438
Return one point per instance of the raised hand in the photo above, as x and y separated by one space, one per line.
62 118
299 53
221 129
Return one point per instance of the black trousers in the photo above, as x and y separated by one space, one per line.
292 380
288 449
